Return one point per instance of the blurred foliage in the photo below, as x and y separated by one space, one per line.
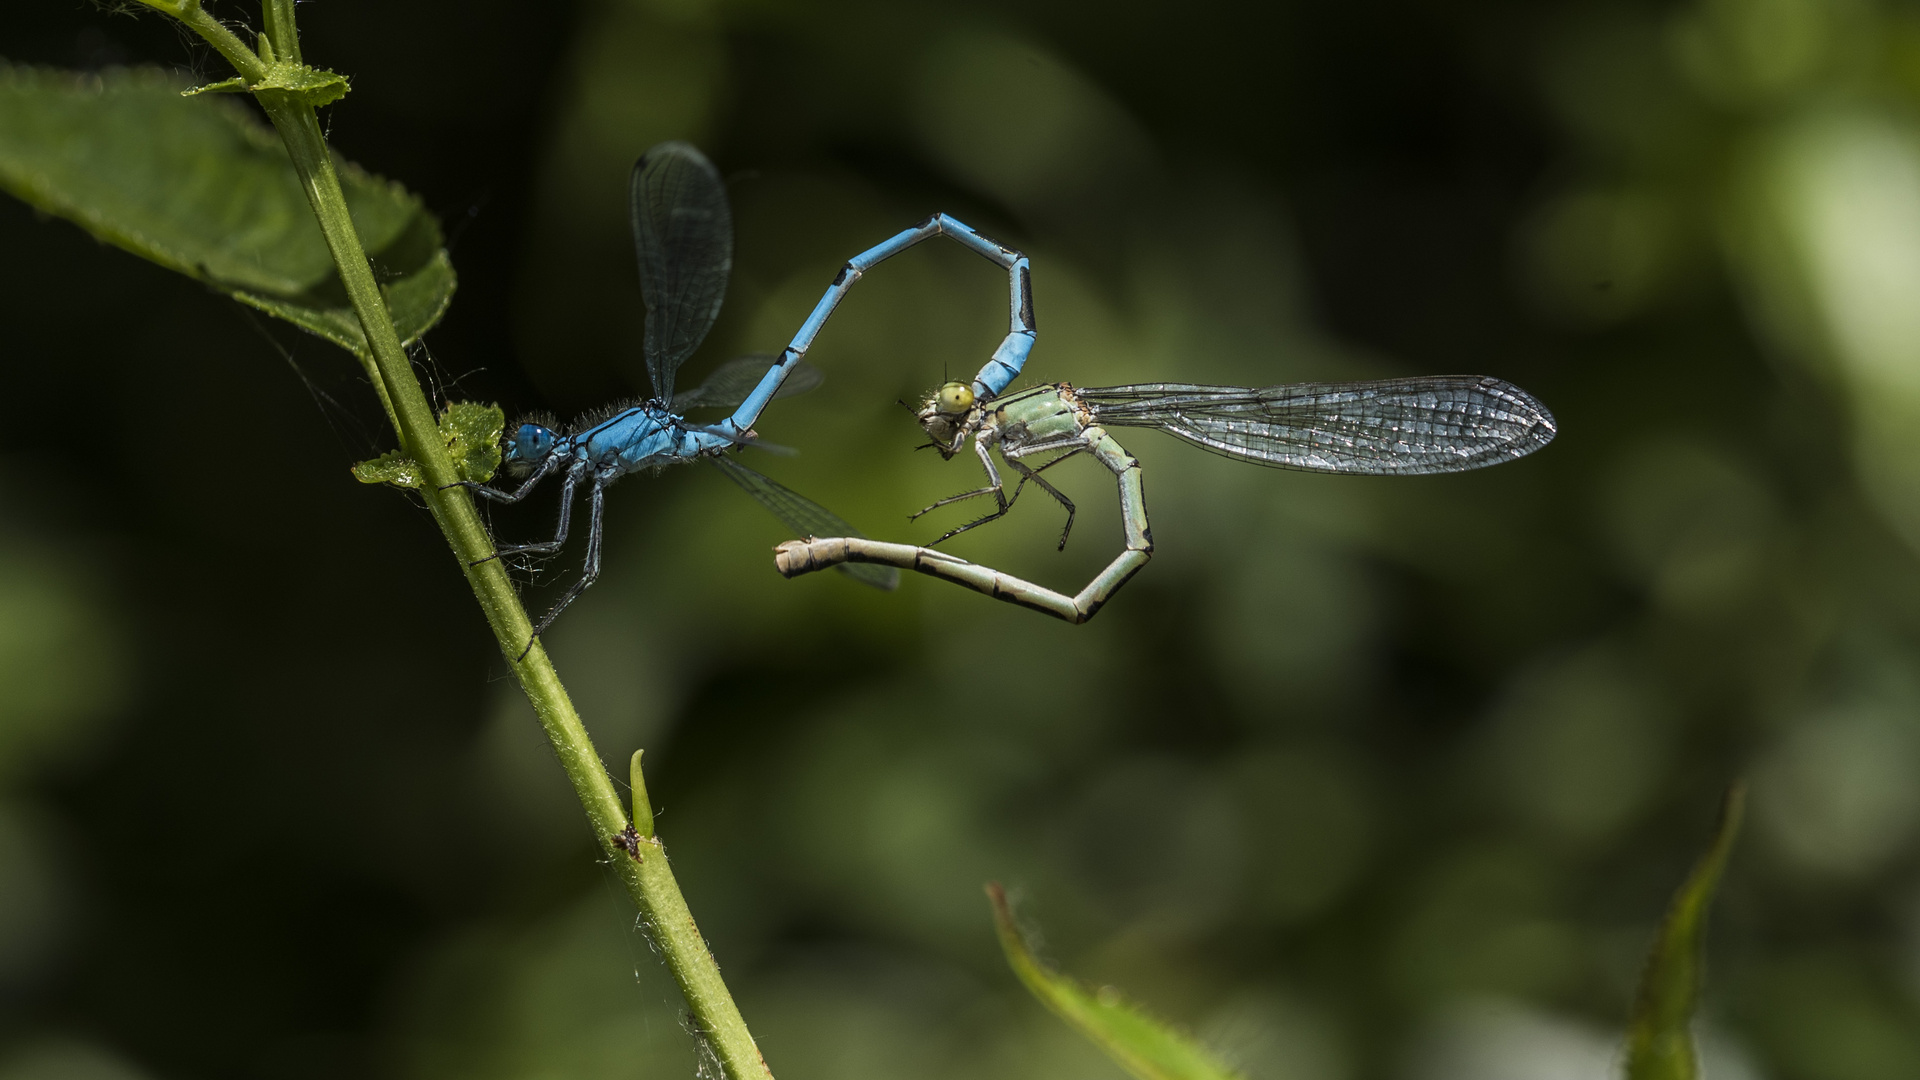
1660 1043
1148 1048
1421 760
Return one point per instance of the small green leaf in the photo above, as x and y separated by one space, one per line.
392 467
642 805
1660 1033
235 85
473 439
1142 1045
198 186
315 86
472 431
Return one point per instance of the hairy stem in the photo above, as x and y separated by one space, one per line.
641 864
249 66
280 29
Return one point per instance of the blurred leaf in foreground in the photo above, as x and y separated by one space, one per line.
1660 1035
472 431
197 185
1141 1045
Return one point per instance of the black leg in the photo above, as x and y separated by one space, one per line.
962 497
1050 464
994 487
995 516
596 497
540 473
1027 474
545 547
1022 485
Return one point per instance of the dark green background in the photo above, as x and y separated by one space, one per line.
1359 779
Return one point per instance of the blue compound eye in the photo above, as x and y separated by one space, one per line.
531 443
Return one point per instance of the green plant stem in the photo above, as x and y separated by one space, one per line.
644 869
280 29
247 65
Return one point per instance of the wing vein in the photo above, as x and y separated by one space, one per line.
1433 424
683 237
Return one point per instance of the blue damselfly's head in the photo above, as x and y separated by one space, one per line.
946 414
527 444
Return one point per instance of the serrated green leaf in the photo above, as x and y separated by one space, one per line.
235 85
472 432
1660 1033
473 438
316 86
392 467
1140 1044
199 186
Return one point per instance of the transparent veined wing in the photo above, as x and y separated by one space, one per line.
1439 424
683 236
806 518
732 381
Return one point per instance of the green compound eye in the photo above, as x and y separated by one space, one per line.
954 398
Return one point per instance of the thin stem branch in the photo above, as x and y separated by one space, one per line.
640 863
281 30
247 65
